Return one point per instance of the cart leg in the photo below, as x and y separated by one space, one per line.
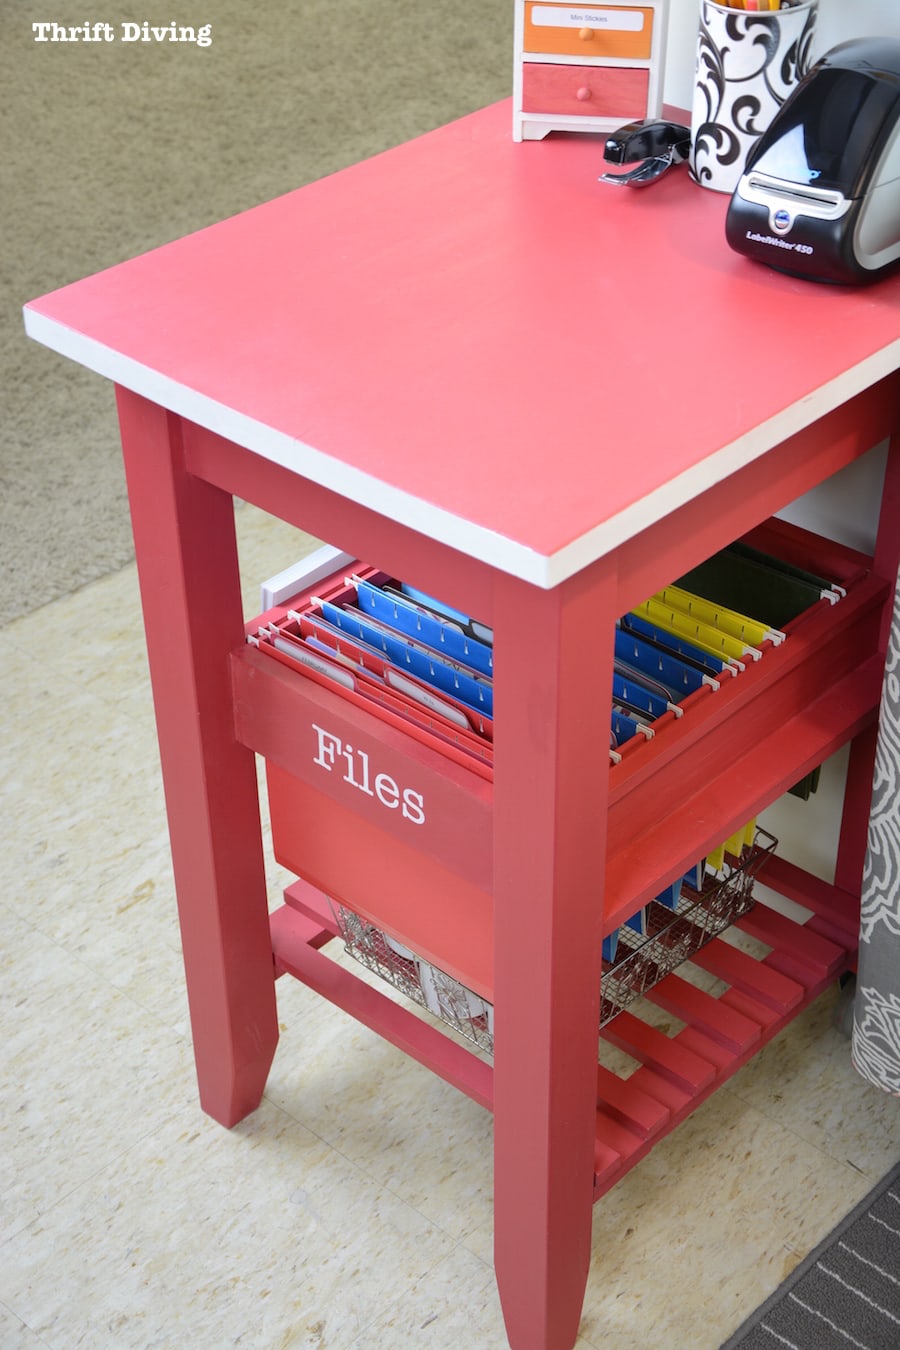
553 652
190 589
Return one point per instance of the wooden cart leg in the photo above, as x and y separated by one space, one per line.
553 654
851 854
188 570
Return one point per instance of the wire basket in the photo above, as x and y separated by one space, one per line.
642 960
416 978
672 936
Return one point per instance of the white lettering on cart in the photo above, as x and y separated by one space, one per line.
333 753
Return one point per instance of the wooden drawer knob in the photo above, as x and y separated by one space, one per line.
586 34
583 94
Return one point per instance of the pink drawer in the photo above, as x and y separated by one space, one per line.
585 91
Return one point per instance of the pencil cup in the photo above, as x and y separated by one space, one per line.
747 64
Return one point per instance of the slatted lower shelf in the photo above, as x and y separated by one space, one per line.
755 997
720 1033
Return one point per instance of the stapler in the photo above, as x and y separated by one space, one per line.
656 145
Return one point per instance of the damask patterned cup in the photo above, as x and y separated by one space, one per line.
747 64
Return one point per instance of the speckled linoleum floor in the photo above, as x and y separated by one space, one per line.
353 1209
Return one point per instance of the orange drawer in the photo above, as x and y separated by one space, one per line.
624 31
585 91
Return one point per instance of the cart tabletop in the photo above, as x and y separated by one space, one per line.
479 339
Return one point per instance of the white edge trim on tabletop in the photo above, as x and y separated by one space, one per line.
471 539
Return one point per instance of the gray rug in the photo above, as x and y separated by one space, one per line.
846 1294
111 149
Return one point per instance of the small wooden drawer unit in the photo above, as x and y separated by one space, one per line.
588 67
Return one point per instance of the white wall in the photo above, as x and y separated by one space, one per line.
838 20
842 19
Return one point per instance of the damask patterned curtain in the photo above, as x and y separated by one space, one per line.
876 1006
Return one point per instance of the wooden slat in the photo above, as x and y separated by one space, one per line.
697 1008
700 1042
839 909
607 1167
620 1098
751 1007
674 1096
749 975
659 1052
795 939
617 1137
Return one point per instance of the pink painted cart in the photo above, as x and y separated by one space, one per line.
470 364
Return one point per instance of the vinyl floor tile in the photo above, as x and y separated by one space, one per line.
806 1081
195 1228
81 1081
15 1335
423 1139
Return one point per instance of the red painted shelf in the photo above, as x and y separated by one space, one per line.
716 1035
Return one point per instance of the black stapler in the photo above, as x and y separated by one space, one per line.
655 145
